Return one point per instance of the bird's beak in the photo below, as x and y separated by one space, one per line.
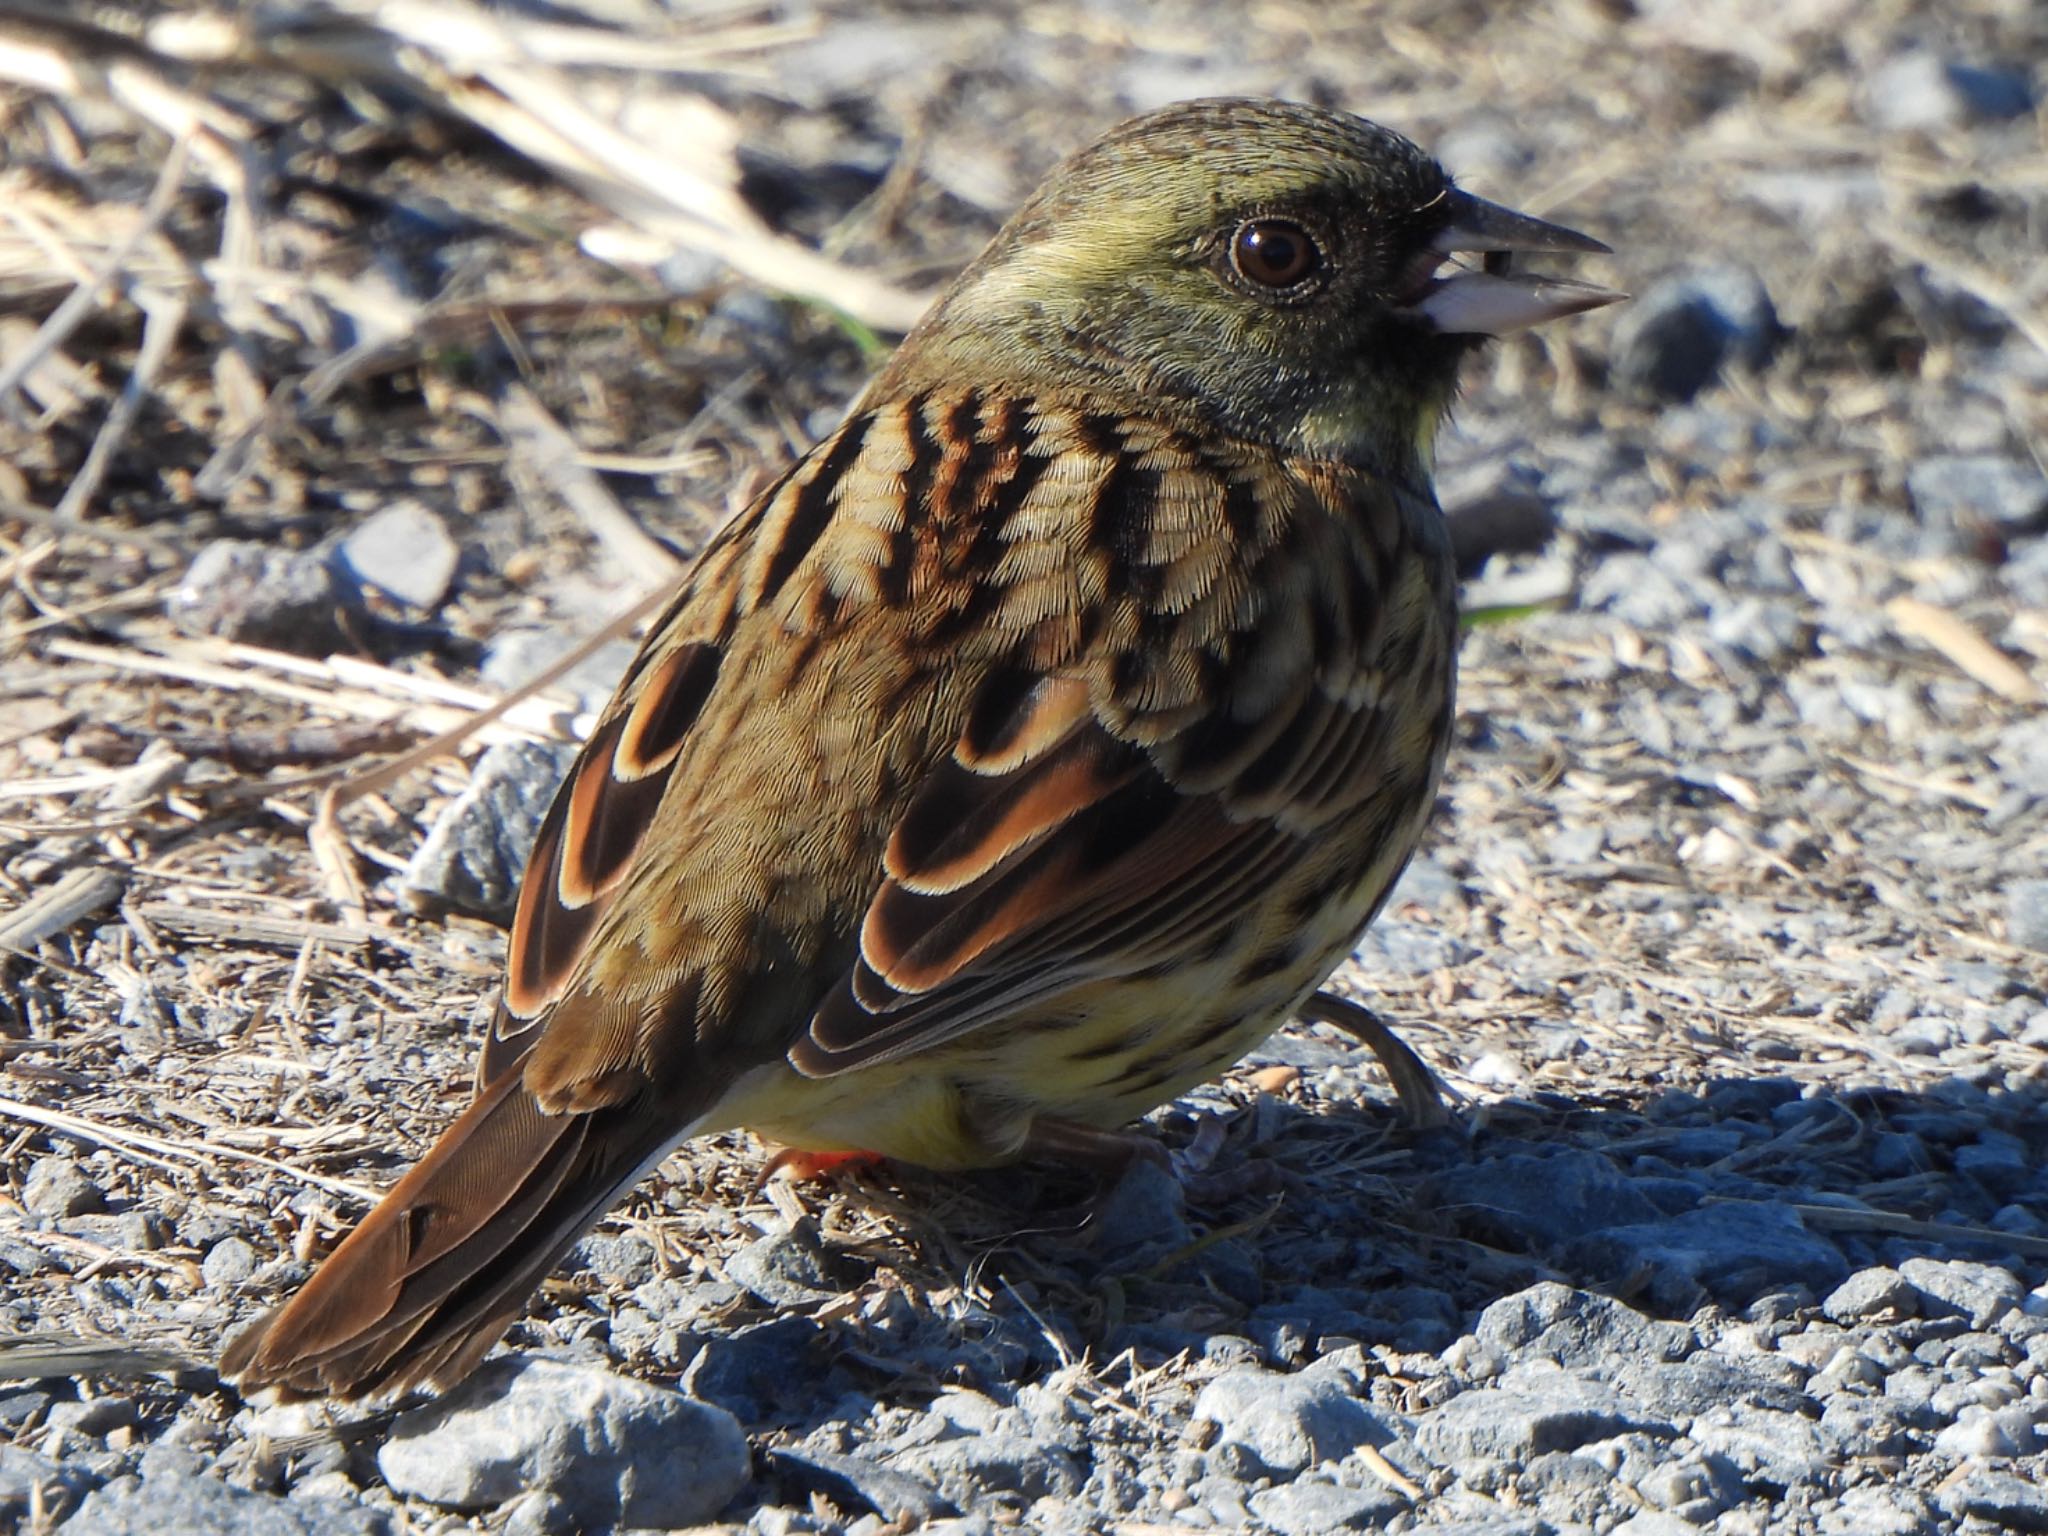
1492 300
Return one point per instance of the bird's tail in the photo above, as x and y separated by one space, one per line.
419 1291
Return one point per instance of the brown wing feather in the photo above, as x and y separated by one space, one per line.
1123 813
431 1277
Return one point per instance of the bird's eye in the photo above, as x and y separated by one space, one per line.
1274 253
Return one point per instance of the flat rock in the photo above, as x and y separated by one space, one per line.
1533 1410
1292 1421
171 1497
1981 1292
402 554
614 1450
1876 1295
1577 1328
1310 1509
2007 1502
1734 1252
1535 1201
258 594
1769 1447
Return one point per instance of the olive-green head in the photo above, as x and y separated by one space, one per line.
1273 271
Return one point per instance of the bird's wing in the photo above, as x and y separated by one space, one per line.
990 699
1275 662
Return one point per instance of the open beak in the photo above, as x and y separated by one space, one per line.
1492 300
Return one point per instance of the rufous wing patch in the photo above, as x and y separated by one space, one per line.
592 835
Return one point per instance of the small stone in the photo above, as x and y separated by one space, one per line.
1876 1295
622 1260
752 1371
617 1451
57 1187
1679 1389
1310 1509
1531 1201
32 1481
1651 1522
259 595
477 849
1576 1329
402 554
227 1264
1981 1292
1962 493
975 1468
1919 90
1981 1433
1534 1409
1765 1444
1733 1252
94 1417
786 1269
1878 1509
1141 1218
2026 915
2005 1502
1291 1422
1685 328
1999 1161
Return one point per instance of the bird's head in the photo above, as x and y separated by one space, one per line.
1286 274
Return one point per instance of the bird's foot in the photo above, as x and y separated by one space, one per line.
1421 1095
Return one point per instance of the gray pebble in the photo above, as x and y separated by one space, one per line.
1959 493
56 1187
616 1451
227 1264
1876 1295
1537 1201
786 1269
1764 1444
1980 1434
1731 1251
1683 329
1879 1509
2026 914
1531 1411
1293 1421
1577 1328
402 554
2006 1502
1310 1509
974 1468
259 594
1141 1218
477 849
1981 1292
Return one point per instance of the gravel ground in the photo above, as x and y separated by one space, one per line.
1731 940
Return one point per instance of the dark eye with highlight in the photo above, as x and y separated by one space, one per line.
1274 253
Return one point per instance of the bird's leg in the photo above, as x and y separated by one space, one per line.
1111 1153
1105 1153
1421 1096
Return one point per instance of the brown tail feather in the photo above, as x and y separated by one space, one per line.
442 1266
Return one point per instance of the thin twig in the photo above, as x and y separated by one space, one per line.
80 303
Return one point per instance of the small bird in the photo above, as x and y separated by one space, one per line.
1028 753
